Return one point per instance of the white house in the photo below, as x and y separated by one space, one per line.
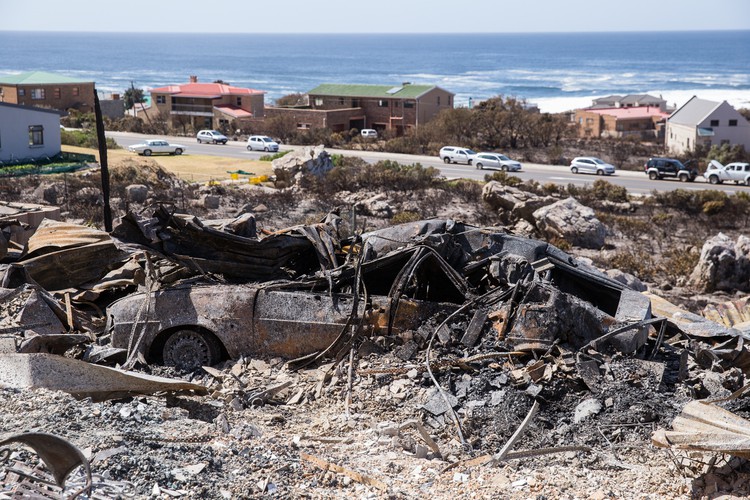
28 133
706 123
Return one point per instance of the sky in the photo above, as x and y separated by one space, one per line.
375 16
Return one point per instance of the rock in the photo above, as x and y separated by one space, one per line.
376 206
586 408
626 279
569 220
210 201
515 203
47 192
723 265
137 193
309 160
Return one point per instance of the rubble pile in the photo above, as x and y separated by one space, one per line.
428 358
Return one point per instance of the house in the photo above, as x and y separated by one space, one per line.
341 107
629 101
645 122
47 90
706 123
205 105
28 133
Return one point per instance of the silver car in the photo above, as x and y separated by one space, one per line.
496 161
262 143
591 165
211 136
452 154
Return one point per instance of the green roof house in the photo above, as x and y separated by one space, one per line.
47 90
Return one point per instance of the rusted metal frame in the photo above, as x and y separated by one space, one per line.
659 340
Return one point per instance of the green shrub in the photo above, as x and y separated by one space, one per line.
274 156
503 178
403 217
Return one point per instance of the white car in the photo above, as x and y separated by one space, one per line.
739 172
157 146
369 133
452 154
212 136
261 143
591 165
496 161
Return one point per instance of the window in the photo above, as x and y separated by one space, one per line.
355 103
37 93
161 99
36 135
408 104
303 126
239 101
438 100
382 103
57 93
341 101
714 123
76 91
732 123
318 101
21 92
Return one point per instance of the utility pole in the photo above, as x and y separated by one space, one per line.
102 140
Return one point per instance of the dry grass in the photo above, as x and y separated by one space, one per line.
192 168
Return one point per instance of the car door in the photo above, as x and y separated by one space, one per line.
588 166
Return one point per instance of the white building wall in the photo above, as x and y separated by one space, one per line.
680 138
739 134
14 133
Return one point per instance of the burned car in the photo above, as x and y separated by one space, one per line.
322 294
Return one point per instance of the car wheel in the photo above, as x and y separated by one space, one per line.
265 149
178 151
446 160
199 141
504 168
713 179
224 142
574 170
249 148
147 152
470 162
683 178
652 176
480 166
189 350
600 172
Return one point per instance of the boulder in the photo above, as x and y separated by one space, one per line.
308 160
626 279
569 220
137 193
723 265
210 201
513 202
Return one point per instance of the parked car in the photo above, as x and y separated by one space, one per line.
738 172
157 146
369 133
452 154
496 161
591 165
262 143
658 168
212 136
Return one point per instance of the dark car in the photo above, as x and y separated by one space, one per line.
658 168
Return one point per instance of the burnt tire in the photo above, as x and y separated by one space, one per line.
188 350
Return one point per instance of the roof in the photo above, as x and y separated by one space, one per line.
32 108
693 112
631 113
405 91
39 78
233 111
204 90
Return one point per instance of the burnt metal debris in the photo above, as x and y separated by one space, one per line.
171 288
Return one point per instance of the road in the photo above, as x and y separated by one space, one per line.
634 182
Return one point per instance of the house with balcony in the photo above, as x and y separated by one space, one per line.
28 133
47 90
629 101
706 123
205 105
645 122
341 107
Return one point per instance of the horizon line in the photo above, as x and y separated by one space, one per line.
297 33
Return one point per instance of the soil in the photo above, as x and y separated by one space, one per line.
319 438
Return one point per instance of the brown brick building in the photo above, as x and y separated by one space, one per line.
205 105
341 107
47 90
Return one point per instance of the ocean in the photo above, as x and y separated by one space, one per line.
556 71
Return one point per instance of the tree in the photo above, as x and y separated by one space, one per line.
133 96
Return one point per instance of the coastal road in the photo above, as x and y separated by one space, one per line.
634 182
